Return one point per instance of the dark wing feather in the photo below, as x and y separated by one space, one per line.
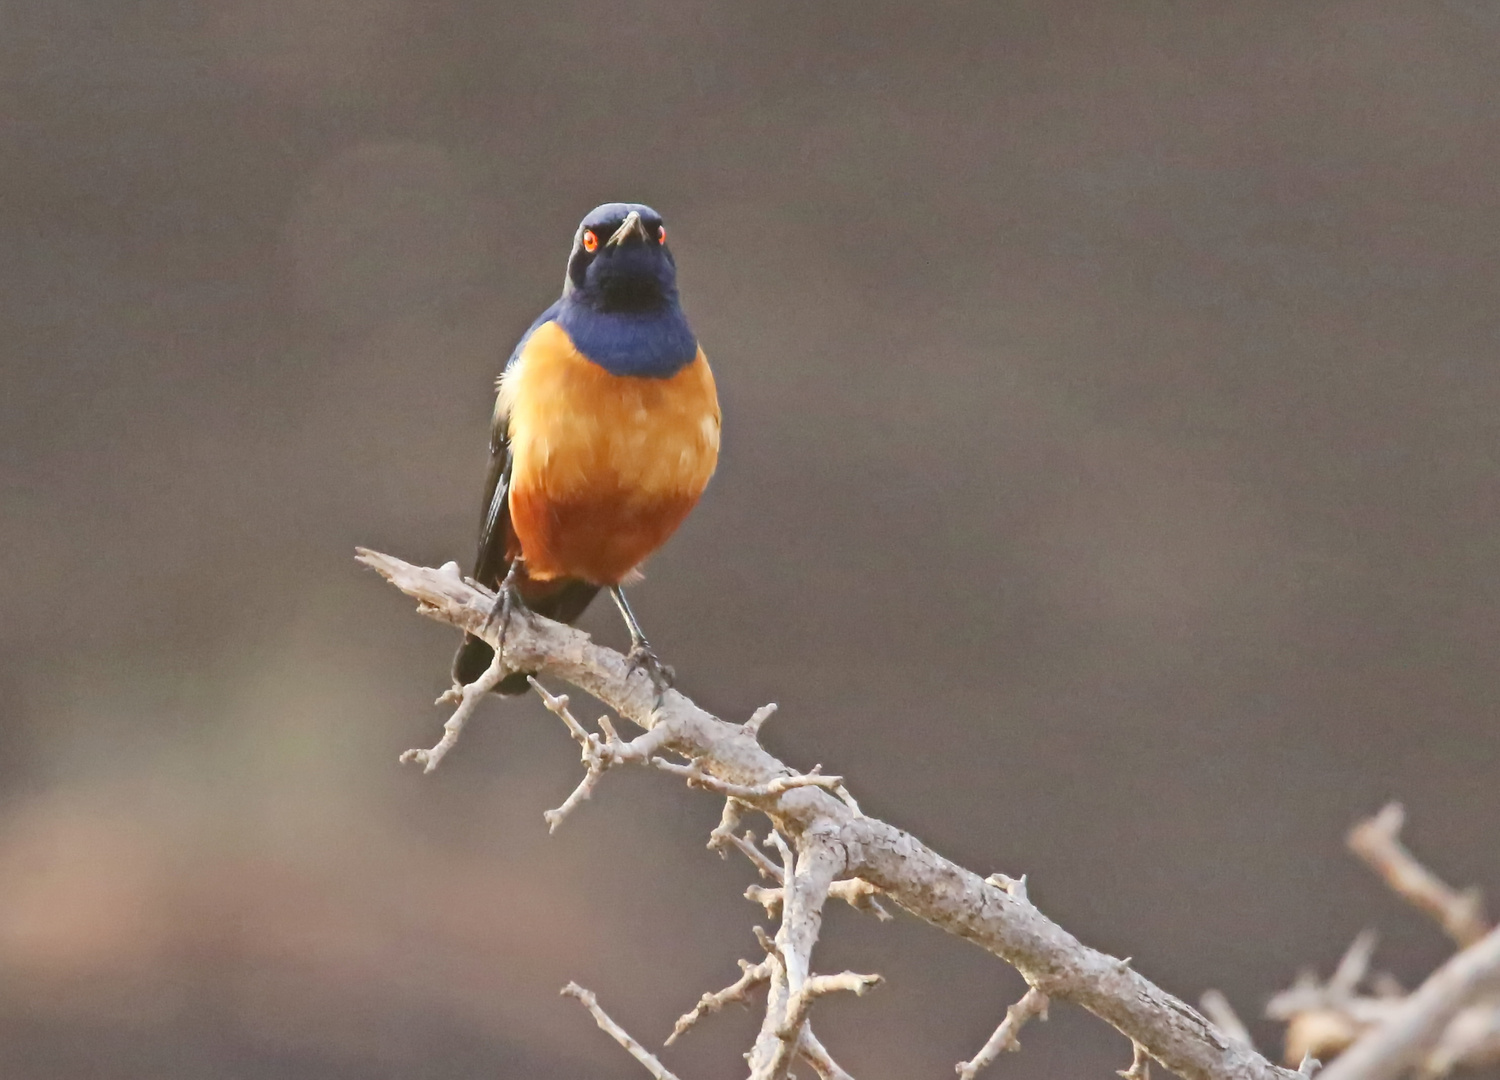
491 561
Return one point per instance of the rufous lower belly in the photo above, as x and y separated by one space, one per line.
599 537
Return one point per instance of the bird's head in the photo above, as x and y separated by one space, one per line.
620 260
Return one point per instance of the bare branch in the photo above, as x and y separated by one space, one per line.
808 875
1321 1033
585 789
599 754
1140 1064
765 866
1217 1008
1323 1020
1032 1004
729 822
751 976
788 859
557 705
1417 1024
811 1051
619 1034
1454 1019
856 892
1377 841
903 868
1472 1040
843 793
766 941
757 793
468 699
1353 966
818 985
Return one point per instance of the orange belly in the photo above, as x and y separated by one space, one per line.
600 540
604 468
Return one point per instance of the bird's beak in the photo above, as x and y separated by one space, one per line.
631 224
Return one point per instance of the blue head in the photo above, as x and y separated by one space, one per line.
619 302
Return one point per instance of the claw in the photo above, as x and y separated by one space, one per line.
507 601
643 658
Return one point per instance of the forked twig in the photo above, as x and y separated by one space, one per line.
1033 1003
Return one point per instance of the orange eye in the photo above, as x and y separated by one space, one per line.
590 241
661 234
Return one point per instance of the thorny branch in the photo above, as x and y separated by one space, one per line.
828 840
1418 1024
1032 1004
1140 1064
754 794
619 1034
751 976
1377 841
856 892
1452 1020
467 698
813 1053
806 875
1216 1007
599 753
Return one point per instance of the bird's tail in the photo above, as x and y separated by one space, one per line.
564 602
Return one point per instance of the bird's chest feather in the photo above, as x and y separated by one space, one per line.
579 432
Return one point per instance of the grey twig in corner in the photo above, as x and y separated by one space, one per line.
1452 1020
1417 1025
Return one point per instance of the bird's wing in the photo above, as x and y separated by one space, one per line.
563 600
492 561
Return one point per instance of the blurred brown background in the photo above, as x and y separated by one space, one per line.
1109 490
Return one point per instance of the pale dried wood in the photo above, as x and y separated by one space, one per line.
851 845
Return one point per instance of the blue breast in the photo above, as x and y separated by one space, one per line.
653 344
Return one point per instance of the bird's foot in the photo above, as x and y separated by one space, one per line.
507 602
643 658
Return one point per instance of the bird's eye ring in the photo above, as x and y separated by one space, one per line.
661 234
590 241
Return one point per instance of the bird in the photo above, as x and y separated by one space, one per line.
604 436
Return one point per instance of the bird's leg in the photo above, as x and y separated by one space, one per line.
641 654
507 601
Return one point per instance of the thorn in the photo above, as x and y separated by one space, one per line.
1015 887
758 719
765 941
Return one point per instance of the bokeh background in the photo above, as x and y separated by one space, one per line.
1108 489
